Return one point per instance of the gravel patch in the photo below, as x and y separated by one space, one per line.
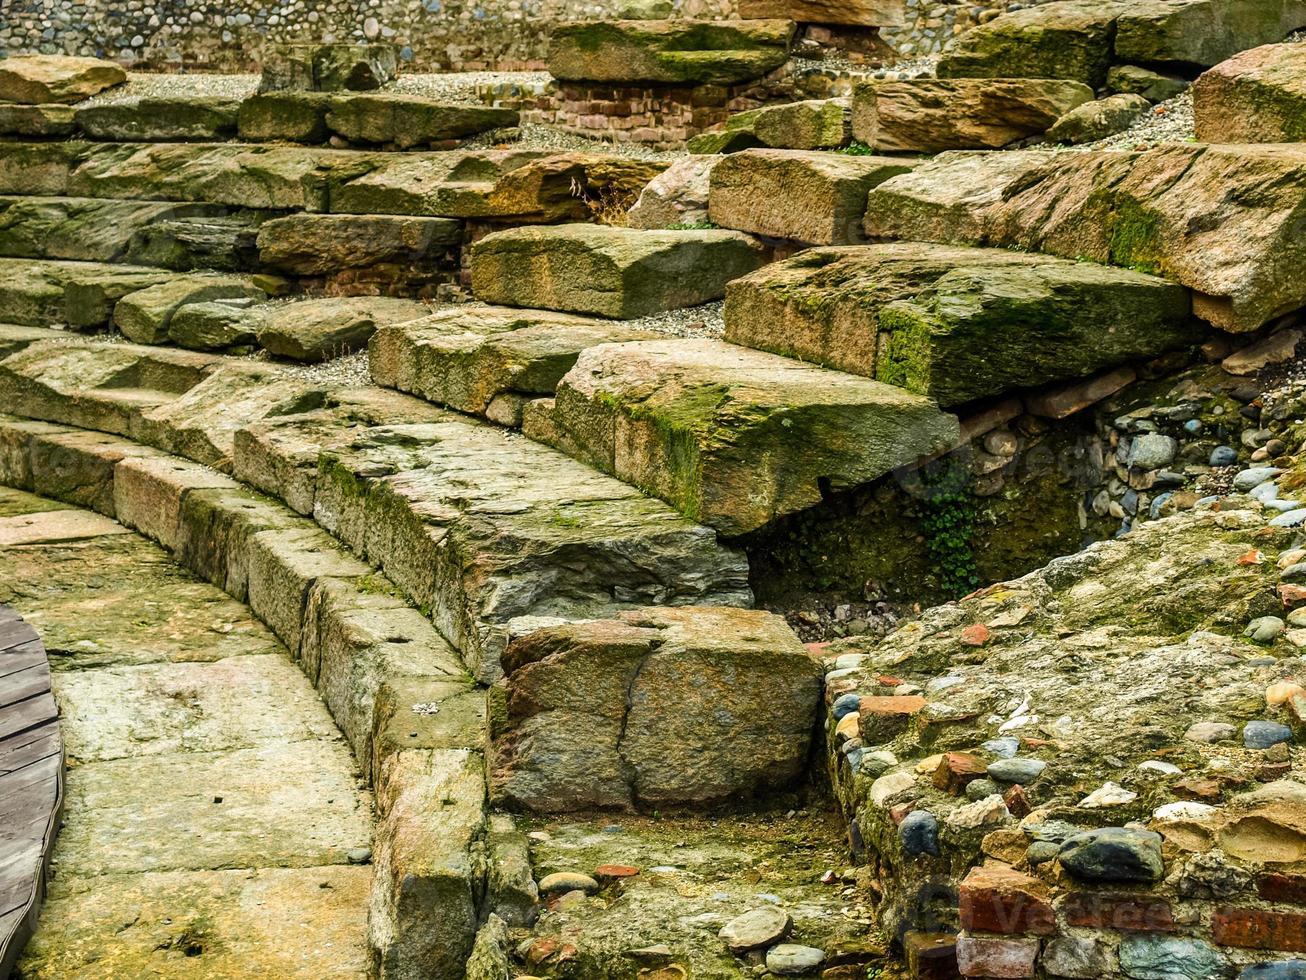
467 86
1167 122
140 85
349 371
535 136
706 321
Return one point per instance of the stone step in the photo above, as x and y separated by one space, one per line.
393 686
41 293
956 324
178 401
378 118
622 273
14 337
477 525
804 196
733 437
500 185
487 360
1221 220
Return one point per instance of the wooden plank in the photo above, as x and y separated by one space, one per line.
31 781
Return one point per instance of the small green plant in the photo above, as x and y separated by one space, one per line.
703 225
947 520
856 149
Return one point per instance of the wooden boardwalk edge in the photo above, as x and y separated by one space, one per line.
31 783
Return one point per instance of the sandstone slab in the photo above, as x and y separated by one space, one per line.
320 329
318 244
405 121
859 13
82 228
732 437
469 357
677 196
1258 96
1220 220
661 707
953 323
668 52
814 124
52 119
299 117
927 115
144 316
1202 32
195 117
329 67
811 197
1099 119
621 273
39 79
482 527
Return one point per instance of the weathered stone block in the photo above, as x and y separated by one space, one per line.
927 115
954 323
36 120
731 437
144 316
1202 32
817 198
1258 96
467 356
299 117
39 79
405 121
319 329
192 118
815 124
614 272
858 13
1099 119
321 244
661 707
1220 220
328 67
669 52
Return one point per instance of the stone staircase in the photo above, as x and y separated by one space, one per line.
542 493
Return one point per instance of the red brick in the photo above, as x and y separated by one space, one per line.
931 955
1259 929
1289 889
884 717
1005 959
956 770
1001 899
1127 912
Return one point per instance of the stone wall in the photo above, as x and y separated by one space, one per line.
434 35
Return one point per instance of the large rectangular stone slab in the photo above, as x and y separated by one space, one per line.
320 244
1222 220
82 229
41 79
472 357
729 436
955 324
1202 32
158 924
858 13
660 707
928 115
406 121
621 273
668 52
480 527
1258 96
812 197
181 118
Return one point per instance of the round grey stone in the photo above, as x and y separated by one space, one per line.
756 929
789 959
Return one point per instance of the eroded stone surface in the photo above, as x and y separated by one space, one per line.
662 707
614 272
955 323
732 437
38 79
1258 96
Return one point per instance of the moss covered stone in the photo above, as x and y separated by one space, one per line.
955 324
614 272
405 121
669 52
731 437
195 117
1258 96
